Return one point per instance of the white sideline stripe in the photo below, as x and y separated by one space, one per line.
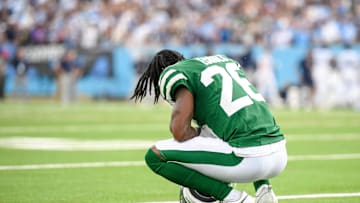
68 144
323 137
73 165
316 196
324 157
142 163
84 128
109 128
305 196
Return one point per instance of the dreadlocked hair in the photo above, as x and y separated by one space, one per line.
150 78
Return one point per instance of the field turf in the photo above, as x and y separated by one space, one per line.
323 148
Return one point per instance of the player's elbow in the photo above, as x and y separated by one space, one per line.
178 132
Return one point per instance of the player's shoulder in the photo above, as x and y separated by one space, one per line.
172 74
187 64
213 59
184 67
193 66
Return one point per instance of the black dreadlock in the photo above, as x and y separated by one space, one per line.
161 60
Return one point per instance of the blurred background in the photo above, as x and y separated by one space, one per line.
62 62
299 53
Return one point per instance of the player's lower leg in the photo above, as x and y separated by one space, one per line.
257 184
187 177
264 192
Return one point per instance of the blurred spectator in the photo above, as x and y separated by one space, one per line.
347 28
282 35
3 58
307 88
21 67
335 90
135 23
2 77
265 78
91 25
68 73
348 63
248 63
322 67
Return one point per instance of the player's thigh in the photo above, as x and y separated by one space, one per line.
207 155
215 158
206 144
248 170
199 150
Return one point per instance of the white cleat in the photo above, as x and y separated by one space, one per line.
192 196
265 194
245 198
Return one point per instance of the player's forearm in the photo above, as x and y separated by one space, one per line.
183 134
182 115
180 126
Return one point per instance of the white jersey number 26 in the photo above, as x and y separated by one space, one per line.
228 76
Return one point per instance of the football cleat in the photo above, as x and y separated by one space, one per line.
188 195
192 196
245 198
265 194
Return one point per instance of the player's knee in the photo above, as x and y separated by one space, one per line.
153 159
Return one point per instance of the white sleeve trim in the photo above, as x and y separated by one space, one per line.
163 81
172 81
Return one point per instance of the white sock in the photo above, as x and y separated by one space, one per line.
233 196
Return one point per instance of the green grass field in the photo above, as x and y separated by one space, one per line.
323 148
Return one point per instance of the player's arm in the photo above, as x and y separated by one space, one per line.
181 117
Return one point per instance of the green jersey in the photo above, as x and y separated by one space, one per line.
224 100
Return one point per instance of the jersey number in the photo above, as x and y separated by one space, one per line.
228 76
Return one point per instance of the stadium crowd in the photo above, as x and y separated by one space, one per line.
92 24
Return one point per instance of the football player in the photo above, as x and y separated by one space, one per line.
237 139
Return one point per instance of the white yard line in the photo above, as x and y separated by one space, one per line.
142 163
304 196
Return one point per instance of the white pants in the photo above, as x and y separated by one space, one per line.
268 164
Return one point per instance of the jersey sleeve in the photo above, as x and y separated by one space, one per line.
170 80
